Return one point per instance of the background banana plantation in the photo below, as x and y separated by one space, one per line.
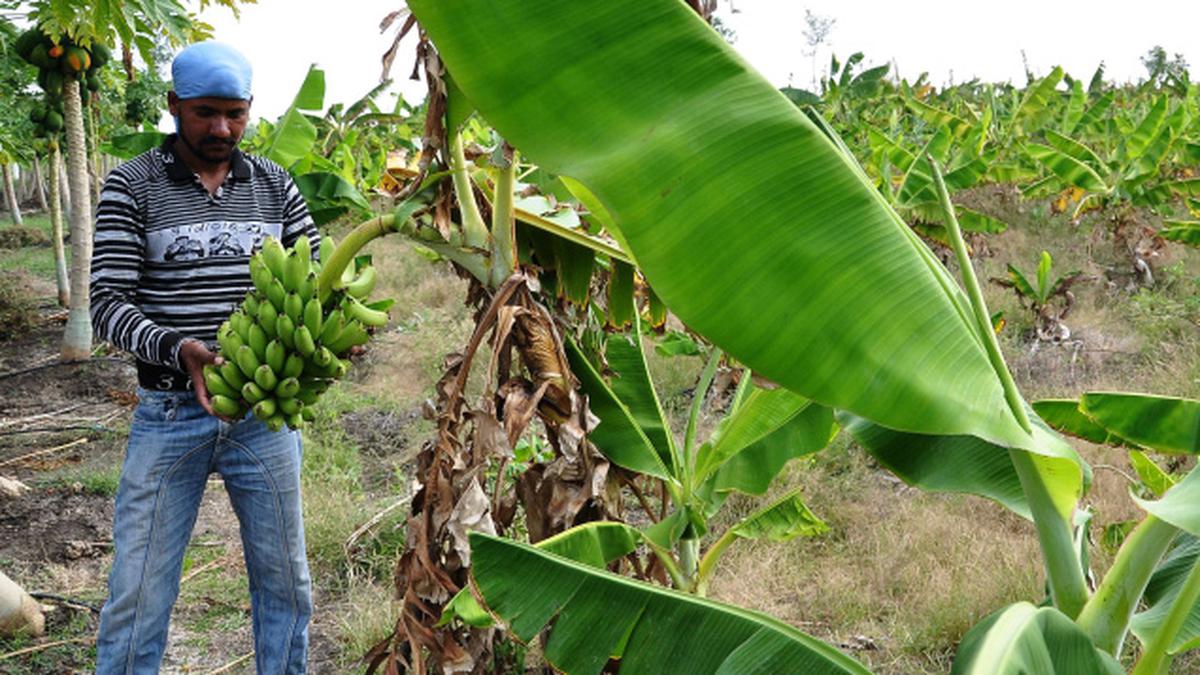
685 373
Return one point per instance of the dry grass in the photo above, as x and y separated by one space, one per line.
900 576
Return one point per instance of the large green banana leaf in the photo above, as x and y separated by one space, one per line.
970 465
1065 416
1025 640
1161 592
1160 423
750 223
595 616
597 544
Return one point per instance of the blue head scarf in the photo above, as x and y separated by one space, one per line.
211 69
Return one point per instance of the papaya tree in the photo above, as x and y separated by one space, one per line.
73 38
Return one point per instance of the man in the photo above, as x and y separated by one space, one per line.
174 230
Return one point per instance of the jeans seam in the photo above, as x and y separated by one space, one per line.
137 612
291 583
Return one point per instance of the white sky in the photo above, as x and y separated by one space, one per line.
282 37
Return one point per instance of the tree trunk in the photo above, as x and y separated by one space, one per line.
10 194
56 220
94 168
77 340
64 189
39 186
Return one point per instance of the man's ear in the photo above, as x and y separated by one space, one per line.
173 103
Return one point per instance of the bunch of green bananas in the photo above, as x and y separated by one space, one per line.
283 347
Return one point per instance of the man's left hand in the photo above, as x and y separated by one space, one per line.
194 355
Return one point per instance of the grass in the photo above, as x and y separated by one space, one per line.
35 260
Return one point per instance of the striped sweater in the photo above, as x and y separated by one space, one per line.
171 261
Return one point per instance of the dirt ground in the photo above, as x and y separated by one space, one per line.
63 422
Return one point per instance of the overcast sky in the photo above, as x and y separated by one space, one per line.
282 37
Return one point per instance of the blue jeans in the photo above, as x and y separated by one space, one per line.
173 447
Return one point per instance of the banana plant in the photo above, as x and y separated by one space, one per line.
1039 298
763 431
809 223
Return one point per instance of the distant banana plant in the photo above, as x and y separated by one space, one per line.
1040 297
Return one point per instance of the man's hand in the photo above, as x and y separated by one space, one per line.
194 355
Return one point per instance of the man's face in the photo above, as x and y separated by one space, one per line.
210 127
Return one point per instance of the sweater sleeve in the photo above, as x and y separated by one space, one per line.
120 243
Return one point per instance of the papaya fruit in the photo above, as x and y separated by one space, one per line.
54 83
100 55
93 82
40 56
54 121
56 51
76 60
24 44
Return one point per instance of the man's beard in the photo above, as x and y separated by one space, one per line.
211 149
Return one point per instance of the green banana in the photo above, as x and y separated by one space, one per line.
334 325
308 396
288 406
250 304
351 336
276 294
295 270
303 246
216 384
229 341
258 341
325 250
259 274
294 366
363 283
295 420
225 405
253 393
247 361
274 256
294 307
265 378
323 358
287 389
265 409
356 310
266 318
313 316
232 374
285 330
276 354
340 368
307 414
307 286
304 341
276 422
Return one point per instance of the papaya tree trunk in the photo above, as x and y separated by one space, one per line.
10 194
95 168
39 185
61 278
77 339
64 188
